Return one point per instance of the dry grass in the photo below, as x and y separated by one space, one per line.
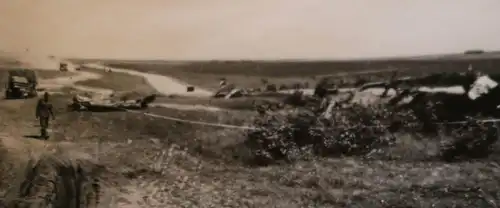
161 163
118 82
175 164
41 74
124 82
150 162
242 103
48 74
251 73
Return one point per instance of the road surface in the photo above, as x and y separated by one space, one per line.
163 84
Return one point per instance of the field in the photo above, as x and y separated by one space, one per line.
118 82
251 73
143 161
41 74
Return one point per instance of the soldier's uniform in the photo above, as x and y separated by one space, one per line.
44 110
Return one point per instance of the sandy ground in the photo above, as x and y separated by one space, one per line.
163 84
170 86
69 81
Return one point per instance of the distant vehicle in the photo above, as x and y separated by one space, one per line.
21 83
472 52
63 67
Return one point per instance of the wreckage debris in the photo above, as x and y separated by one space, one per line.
271 88
340 127
283 87
80 103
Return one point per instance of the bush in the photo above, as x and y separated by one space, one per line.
299 134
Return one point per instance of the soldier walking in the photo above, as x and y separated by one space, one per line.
44 110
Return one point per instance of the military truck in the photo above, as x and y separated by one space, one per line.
63 67
21 83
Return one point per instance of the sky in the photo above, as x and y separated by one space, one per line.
247 29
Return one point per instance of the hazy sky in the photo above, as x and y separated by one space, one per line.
248 29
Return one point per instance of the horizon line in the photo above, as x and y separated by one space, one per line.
462 54
380 58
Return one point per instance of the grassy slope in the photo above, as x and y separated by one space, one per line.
208 174
250 73
212 176
125 82
7 62
41 74
118 82
242 103
142 156
45 74
150 152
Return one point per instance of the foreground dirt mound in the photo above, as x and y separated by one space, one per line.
35 174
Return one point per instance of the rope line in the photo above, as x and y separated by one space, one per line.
194 122
255 128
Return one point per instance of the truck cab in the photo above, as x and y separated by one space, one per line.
21 83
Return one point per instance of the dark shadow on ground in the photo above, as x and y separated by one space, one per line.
34 137
18 98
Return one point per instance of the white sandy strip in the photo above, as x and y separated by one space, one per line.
101 93
45 63
163 84
69 81
379 91
187 107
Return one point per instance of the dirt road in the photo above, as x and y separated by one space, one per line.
163 84
69 81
